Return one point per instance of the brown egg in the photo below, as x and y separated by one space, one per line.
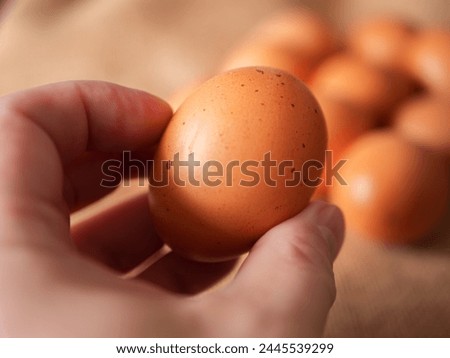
396 191
270 55
244 137
382 42
349 79
293 40
345 123
429 59
425 121
303 30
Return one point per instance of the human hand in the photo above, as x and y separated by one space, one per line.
53 140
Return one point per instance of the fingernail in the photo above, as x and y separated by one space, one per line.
330 221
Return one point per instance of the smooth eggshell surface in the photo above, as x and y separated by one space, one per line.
300 29
425 121
345 123
429 59
349 79
234 120
396 192
382 42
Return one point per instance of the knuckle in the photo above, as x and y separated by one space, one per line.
309 248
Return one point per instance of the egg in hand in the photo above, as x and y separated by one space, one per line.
232 162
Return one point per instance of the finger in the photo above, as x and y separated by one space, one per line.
177 274
86 182
5 6
288 278
95 174
46 127
93 115
121 235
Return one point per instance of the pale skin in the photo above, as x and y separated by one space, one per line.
285 287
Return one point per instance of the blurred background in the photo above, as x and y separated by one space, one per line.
164 46
154 44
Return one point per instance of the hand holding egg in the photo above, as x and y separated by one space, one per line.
385 74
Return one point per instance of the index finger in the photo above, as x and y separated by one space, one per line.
90 115
44 128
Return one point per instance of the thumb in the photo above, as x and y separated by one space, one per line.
286 284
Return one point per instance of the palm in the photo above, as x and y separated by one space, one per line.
54 139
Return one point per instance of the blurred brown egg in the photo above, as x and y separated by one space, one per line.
425 120
429 59
349 79
271 55
294 40
396 192
382 42
345 123
229 165
303 30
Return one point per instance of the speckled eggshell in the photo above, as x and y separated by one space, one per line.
239 115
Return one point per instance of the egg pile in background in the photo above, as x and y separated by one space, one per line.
384 89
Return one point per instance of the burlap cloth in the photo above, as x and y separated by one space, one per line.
162 45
